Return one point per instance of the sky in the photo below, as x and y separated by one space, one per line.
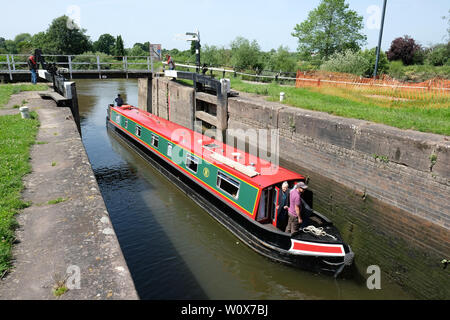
269 22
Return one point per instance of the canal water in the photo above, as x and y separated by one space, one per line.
173 248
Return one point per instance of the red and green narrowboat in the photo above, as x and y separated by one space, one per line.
229 185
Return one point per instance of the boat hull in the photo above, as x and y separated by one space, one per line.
271 244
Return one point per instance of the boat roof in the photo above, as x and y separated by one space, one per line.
254 170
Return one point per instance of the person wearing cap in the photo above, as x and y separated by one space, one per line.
294 211
119 100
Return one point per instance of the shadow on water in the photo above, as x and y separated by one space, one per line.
157 270
173 248
144 243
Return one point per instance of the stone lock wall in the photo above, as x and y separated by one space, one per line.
173 102
386 189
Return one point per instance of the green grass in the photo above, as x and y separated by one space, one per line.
421 115
60 290
16 137
6 90
56 201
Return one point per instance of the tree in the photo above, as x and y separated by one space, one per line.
137 51
39 41
331 27
439 55
24 43
62 38
144 46
210 56
268 59
22 37
245 55
405 49
11 47
119 50
282 60
105 44
2 45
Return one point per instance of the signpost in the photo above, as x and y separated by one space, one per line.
195 37
155 53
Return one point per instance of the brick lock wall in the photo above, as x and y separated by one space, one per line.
374 182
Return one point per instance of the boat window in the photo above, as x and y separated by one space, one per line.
228 184
155 141
192 163
126 123
118 119
169 150
138 131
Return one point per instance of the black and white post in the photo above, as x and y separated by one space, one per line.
195 36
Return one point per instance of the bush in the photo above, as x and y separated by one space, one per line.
348 61
307 66
405 49
371 55
439 55
396 69
417 73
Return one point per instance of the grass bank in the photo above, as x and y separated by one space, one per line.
16 137
6 90
431 115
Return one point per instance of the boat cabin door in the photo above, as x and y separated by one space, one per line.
275 211
267 206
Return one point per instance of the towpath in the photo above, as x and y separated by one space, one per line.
72 241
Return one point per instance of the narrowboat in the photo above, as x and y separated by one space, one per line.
230 185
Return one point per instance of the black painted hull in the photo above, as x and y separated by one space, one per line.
271 244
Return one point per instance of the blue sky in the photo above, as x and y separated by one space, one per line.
270 22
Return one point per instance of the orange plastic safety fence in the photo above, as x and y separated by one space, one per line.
433 88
